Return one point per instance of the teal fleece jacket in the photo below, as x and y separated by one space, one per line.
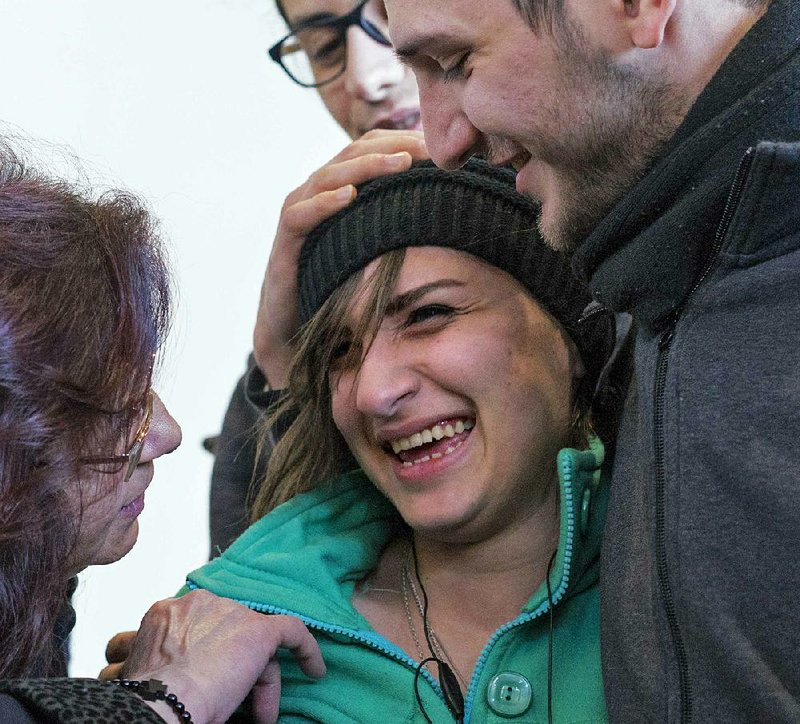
305 558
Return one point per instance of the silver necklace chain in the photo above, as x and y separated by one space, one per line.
437 649
405 581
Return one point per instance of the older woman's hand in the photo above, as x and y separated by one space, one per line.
212 652
329 189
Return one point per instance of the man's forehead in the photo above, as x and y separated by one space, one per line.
416 25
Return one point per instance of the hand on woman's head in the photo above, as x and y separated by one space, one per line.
326 191
373 93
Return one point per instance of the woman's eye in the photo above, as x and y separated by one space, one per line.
340 351
428 313
345 355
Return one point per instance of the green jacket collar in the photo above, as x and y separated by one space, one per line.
306 556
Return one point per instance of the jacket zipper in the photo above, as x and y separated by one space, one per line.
592 310
373 643
568 475
662 363
481 662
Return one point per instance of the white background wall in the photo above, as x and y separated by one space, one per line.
176 100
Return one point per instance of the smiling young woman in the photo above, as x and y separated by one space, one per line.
461 399
443 496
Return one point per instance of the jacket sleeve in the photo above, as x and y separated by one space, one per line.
236 461
78 701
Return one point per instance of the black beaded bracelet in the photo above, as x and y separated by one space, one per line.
155 690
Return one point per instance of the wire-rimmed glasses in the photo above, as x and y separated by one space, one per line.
130 459
315 53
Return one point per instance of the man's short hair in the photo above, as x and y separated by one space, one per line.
539 14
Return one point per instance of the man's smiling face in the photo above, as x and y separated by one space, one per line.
577 119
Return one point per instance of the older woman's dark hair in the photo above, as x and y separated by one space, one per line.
84 302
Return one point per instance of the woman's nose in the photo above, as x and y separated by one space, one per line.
164 435
385 381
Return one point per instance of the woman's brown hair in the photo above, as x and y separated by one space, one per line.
84 307
312 450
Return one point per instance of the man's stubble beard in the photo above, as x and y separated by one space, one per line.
606 145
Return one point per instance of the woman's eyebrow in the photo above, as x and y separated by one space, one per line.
406 299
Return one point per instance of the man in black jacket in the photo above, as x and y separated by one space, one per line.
662 138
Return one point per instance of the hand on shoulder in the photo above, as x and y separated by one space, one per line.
212 652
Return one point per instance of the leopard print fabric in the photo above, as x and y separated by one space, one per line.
79 701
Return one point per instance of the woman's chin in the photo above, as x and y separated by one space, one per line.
446 525
116 546
121 546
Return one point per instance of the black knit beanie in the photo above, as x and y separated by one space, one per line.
475 209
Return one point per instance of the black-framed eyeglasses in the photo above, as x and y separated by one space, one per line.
315 53
129 460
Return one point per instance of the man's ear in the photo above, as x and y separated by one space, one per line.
647 20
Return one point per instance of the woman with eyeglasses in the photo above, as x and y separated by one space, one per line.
434 511
84 308
339 49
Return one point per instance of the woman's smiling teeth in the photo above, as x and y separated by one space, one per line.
431 438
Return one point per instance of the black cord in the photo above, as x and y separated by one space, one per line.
453 697
550 642
416 689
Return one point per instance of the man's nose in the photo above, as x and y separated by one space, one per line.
449 135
